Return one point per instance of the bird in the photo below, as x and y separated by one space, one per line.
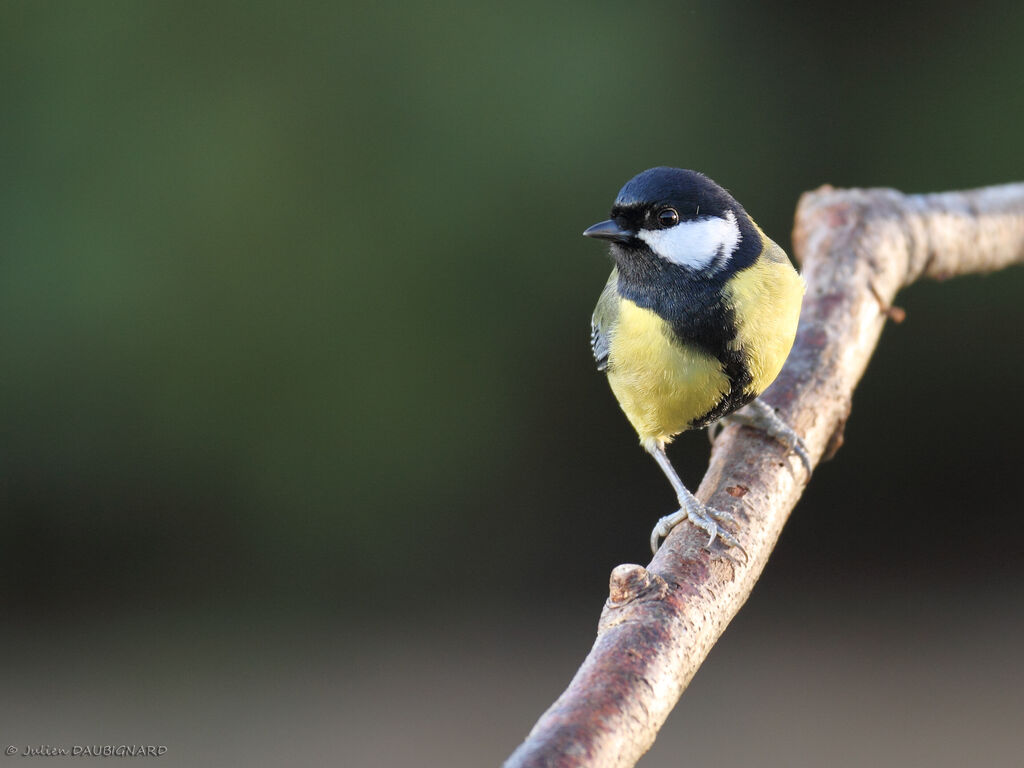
695 321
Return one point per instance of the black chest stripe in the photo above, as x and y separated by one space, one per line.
691 303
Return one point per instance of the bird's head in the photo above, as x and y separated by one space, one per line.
680 218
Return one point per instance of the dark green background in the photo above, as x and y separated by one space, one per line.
293 320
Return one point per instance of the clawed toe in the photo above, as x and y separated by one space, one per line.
761 416
664 526
711 521
800 450
710 525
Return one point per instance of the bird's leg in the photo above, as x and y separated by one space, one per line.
762 416
704 517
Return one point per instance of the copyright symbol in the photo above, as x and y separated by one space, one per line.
11 750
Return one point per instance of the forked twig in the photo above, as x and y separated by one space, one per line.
857 249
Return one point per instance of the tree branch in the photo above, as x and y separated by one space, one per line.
857 248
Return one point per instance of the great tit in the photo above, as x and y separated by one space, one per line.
695 321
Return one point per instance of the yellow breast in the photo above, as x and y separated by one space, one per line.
660 385
663 386
766 299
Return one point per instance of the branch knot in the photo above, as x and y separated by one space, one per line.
858 249
631 581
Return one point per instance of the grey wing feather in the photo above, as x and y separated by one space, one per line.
598 345
601 323
773 251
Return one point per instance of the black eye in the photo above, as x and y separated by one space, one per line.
668 217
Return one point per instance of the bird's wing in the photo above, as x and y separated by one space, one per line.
605 314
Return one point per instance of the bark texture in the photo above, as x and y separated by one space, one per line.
857 249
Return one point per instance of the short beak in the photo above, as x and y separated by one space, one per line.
609 230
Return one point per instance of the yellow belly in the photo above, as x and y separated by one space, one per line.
661 386
766 299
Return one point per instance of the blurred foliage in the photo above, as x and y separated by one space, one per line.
294 307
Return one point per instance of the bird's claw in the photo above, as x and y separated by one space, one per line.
760 415
709 520
800 450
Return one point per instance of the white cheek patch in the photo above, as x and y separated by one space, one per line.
696 244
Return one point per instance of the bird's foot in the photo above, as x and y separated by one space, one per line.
709 520
760 415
